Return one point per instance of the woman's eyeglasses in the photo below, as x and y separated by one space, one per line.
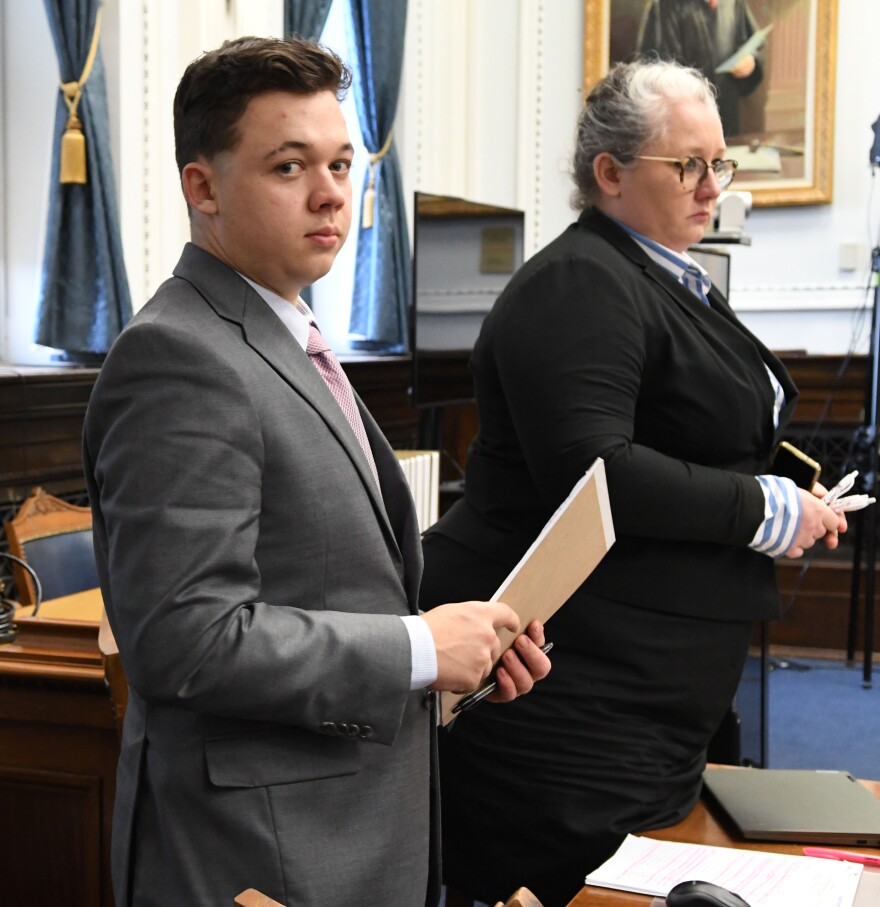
693 170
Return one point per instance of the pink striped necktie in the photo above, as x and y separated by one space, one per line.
331 371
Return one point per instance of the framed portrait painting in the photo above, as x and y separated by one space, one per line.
772 63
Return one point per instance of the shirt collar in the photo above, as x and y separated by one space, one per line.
296 316
674 262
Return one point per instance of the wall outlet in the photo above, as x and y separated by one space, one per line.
852 256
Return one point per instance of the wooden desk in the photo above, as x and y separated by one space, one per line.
81 606
702 826
58 752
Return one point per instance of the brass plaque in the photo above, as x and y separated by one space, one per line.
497 250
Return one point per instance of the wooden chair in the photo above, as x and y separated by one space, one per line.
114 675
522 897
55 538
253 898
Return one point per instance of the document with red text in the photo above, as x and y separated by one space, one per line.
648 866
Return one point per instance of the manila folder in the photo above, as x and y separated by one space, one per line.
565 553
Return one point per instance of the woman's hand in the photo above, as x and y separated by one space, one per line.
818 521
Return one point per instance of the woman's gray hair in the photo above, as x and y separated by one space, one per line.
628 109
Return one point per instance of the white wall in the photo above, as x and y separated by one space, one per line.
490 98
788 286
489 102
157 39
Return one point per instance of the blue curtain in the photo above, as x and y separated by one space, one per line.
383 269
84 297
305 17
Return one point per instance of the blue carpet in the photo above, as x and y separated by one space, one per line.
820 717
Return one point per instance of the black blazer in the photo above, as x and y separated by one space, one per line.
593 350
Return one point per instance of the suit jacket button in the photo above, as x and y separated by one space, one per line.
341 728
354 730
328 727
366 731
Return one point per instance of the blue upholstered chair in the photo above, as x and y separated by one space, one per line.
55 539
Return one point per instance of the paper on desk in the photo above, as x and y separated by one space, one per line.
564 554
750 48
646 866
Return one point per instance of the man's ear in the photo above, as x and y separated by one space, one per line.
197 180
606 172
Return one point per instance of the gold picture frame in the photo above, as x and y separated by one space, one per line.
799 92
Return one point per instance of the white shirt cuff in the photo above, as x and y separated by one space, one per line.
424 652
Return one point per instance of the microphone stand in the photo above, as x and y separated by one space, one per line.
865 454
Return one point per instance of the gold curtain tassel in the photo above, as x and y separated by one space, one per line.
368 205
73 153
72 167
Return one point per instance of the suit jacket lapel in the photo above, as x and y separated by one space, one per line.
720 304
688 302
234 300
626 245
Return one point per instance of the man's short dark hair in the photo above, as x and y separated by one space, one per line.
217 87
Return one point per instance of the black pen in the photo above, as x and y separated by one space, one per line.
479 695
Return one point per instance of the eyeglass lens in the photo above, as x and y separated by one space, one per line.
694 170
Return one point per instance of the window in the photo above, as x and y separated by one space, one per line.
331 296
28 95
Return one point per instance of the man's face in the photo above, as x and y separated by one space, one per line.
278 205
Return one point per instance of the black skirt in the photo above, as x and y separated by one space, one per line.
541 791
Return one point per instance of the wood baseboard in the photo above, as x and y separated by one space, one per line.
817 606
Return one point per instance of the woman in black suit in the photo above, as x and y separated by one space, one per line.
609 343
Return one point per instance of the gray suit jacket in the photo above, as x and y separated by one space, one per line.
254 578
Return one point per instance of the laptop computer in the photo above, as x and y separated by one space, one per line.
796 805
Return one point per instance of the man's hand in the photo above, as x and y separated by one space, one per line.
744 68
467 645
521 665
818 521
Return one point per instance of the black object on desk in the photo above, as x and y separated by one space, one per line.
796 805
702 894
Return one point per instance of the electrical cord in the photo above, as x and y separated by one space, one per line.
8 630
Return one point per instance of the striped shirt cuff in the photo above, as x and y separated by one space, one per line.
782 516
424 652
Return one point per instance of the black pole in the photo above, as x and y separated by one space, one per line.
858 531
871 558
866 520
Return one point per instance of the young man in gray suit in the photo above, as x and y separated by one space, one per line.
256 541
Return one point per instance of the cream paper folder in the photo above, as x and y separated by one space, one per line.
568 549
